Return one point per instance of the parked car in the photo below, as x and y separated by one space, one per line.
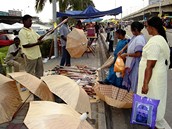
6 39
41 32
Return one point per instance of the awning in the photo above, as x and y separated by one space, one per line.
90 12
93 20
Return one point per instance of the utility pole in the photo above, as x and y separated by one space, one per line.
143 11
115 7
160 10
55 32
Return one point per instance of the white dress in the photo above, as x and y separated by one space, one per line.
156 49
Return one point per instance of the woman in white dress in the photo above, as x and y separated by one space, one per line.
153 68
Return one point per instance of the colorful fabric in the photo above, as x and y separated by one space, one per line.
132 63
112 78
156 49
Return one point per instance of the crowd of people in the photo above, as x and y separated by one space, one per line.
146 62
28 42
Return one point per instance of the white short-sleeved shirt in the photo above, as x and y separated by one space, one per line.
156 49
12 48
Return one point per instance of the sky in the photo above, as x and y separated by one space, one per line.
27 7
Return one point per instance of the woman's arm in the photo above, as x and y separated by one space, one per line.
123 49
148 75
136 54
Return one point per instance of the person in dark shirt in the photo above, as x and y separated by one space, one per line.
97 27
79 25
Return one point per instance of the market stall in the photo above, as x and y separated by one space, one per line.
90 12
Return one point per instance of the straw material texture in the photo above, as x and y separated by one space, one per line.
114 96
51 115
33 84
76 43
10 99
69 91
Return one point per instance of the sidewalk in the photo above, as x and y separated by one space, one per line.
98 113
169 30
102 113
88 59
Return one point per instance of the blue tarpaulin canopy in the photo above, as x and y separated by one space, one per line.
93 20
73 12
90 12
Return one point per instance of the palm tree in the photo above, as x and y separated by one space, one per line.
80 4
65 4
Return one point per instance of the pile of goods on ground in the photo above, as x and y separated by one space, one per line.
85 76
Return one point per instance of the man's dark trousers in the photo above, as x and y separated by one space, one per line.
65 57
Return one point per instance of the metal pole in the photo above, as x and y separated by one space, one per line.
55 32
143 12
115 7
160 12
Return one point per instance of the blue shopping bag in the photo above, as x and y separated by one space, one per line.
144 111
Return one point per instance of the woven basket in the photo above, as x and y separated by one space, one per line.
114 96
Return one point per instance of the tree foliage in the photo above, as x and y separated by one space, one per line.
65 4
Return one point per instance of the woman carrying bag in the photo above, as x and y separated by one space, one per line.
112 79
153 68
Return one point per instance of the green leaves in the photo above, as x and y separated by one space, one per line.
65 4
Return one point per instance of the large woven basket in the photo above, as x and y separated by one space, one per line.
114 96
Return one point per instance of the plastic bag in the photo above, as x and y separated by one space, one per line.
119 65
144 111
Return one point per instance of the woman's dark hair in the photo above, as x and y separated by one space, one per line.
25 17
137 26
121 31
157 23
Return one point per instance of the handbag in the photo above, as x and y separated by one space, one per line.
144 111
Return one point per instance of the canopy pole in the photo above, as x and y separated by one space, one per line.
55 32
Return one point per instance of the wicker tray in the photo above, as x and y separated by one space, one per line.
114 96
